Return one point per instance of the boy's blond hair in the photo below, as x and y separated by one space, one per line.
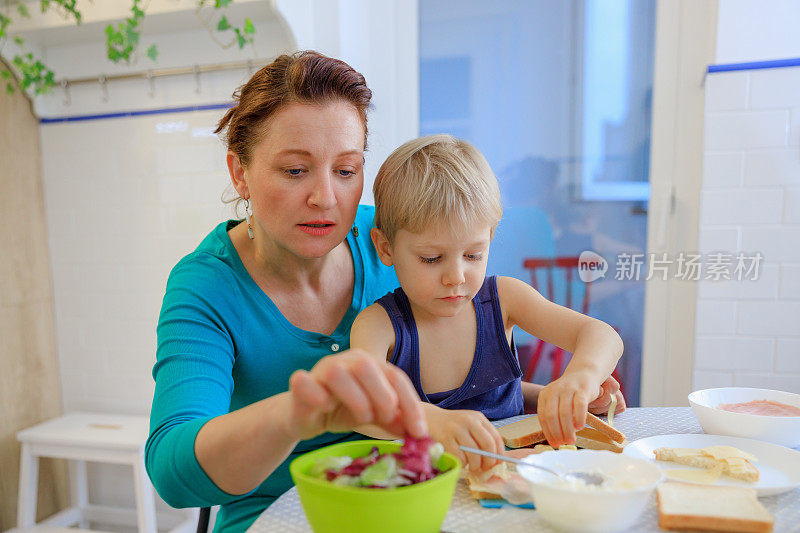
437 178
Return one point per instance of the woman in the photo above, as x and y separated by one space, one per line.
242 382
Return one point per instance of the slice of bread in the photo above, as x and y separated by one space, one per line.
735 467
522 432
528 431
591 439
601 426
688 506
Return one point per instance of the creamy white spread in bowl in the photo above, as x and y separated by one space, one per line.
573 505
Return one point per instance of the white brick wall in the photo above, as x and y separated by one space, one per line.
748 332
114 235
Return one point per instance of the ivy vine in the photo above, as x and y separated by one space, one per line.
122 38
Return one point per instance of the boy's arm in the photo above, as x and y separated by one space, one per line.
595 346
372 332
530 396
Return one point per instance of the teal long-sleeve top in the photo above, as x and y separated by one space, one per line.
222 345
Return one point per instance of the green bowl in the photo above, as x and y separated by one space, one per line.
334 508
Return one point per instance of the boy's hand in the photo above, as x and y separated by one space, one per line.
563 405
454 428
600 405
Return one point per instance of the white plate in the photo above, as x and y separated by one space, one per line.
778 467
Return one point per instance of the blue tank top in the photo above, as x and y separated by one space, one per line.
493 383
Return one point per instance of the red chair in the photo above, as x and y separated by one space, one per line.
569 266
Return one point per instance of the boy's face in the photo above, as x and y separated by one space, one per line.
440 269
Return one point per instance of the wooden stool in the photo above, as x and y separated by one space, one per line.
82 437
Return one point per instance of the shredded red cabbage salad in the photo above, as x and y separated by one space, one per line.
414 463
415 458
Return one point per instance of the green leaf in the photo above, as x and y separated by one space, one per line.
69 6
6 74
113 39
132 35
240 39
4 23
223 24
248 26
152 52
9 88
23 11
19 40
221 3
33 73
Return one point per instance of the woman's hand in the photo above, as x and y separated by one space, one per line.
349 389
454 428
601 404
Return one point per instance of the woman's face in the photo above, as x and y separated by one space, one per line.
305 177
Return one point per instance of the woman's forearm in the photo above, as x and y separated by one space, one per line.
240 449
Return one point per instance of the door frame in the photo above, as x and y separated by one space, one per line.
686 35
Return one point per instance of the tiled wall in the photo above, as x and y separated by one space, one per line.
125 199
120 215
748 332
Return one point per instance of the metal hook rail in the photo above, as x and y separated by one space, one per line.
194 70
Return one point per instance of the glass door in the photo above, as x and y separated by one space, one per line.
557 96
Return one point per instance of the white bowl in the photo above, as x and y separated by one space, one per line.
577 509
783 430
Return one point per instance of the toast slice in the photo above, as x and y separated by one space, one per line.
604 428
522 432
735 467
591 439
528 431
735 509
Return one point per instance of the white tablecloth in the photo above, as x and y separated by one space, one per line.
466 514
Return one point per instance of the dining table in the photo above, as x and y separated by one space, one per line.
466 515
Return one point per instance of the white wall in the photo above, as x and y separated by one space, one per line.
757 31
127 197
379 39
747 332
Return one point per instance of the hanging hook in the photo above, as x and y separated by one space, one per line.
151 85
65 86
196 70
104 85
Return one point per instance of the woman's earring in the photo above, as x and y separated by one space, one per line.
248 211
